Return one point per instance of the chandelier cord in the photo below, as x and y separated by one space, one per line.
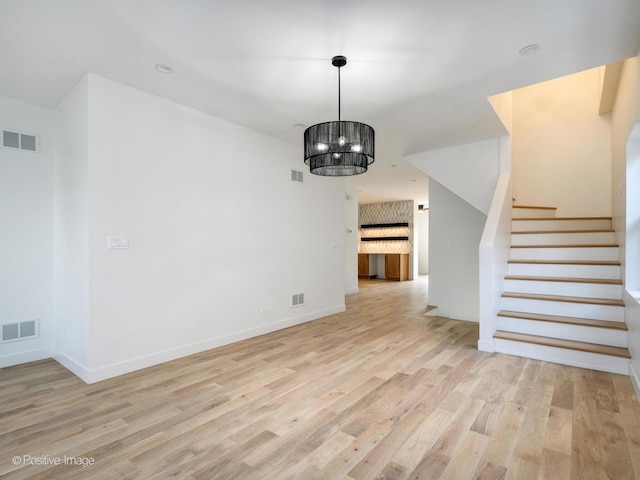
339 93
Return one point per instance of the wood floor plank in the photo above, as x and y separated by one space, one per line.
559 430
504 437
490 471
563 394
555 465
531 436
430 467
521 469
587 456
422 439
381 390
466 457
616 454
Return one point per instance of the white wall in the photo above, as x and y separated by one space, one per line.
455 229
422 232
71 230
464 178
217 232
561 146
351 239
630 240
469 170
625 114
26 223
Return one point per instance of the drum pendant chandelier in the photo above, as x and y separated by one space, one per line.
342 148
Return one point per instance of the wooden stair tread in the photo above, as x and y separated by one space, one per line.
587 322
534 207
558 245
561 298
560 343
529 232
569 262
607 281
560 218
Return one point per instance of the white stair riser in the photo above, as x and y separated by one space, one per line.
579 333
566 271
573 238
565 309
569 289
594 361
532 213
562 224
565 253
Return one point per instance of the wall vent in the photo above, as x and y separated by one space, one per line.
12 332
20 140
297 299
297 176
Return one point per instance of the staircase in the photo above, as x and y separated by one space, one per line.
563 292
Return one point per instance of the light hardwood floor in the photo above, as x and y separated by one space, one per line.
380 391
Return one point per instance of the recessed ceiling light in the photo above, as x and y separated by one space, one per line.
163 68
299 126
529 50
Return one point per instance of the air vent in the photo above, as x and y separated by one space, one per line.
296 176
20 140
297 299
12 332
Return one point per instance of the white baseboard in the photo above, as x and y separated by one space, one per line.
113 370
574 358
24 357
72 365
486 346
351 291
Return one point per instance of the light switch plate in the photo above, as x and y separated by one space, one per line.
117 242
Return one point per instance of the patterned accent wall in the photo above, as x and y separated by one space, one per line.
386 213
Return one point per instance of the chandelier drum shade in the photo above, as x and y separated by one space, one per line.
339 148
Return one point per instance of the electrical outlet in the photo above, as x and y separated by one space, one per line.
264 310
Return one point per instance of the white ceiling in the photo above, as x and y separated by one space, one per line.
419 71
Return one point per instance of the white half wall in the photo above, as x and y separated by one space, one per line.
493 260
632 319
26 223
